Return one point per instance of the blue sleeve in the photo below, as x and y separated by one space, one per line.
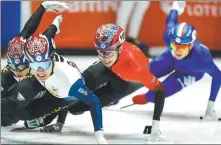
80 91
211 68
171 21
215 73
162 65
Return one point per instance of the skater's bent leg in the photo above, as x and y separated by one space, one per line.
175 83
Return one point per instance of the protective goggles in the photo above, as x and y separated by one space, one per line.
18 67
37 66
182 47
108 52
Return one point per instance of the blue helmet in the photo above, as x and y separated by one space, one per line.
14 53
39 48
183 33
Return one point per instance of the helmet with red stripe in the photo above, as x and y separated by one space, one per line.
183 33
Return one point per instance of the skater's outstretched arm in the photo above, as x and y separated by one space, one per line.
34 21
172 19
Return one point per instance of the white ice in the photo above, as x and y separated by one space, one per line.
180 119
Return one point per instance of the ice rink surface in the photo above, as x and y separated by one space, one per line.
180 120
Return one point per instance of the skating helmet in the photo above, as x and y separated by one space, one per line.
39 48
109 37
14 52
183 33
